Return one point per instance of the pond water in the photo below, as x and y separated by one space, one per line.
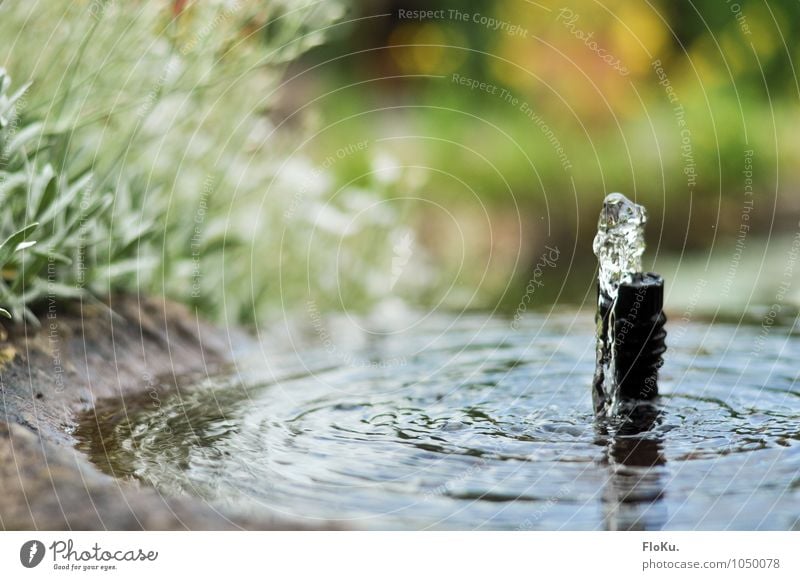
468 423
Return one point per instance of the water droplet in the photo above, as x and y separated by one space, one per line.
619 243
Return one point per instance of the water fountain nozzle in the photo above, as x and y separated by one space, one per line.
630 318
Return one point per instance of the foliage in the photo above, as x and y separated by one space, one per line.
151 160
48 222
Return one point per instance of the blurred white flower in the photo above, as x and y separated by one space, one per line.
326 217
299 175
386 168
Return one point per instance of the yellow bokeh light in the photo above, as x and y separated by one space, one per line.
427 48
637 36
763 33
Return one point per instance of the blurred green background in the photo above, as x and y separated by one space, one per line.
275 158
689 108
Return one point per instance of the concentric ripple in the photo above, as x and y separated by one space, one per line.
471 424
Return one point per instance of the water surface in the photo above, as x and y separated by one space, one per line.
467 423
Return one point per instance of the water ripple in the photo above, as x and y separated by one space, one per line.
481 427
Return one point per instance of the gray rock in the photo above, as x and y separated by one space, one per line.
82 354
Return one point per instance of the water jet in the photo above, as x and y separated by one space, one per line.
630 318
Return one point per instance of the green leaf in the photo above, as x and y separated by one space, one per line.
133 238
220 243
79 184
48 196
8 106
61 290
21 91
11 182
39 186
18 237
54 256
21 138
24 246
59 206
97 207
125 267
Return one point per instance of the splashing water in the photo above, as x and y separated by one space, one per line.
619 243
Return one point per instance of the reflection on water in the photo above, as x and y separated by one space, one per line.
632 497
475 425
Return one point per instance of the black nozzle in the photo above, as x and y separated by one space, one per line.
633 353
